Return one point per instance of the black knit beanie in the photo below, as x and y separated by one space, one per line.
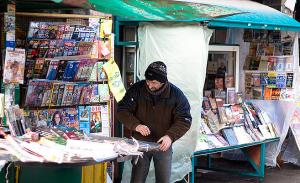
157 71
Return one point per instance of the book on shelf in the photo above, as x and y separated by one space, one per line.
289 80
267 93
281 80
263 64
256 79
272 79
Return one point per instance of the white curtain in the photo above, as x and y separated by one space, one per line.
183 47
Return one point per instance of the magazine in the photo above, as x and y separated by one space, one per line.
14 66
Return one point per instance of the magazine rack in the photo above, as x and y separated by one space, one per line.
254 153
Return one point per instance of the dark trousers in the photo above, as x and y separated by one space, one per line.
162 164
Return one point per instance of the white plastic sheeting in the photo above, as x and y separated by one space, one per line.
183 47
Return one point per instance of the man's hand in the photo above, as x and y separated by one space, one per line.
166 142
143 129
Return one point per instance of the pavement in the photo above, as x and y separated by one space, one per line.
287 173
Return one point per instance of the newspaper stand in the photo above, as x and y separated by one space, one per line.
254 153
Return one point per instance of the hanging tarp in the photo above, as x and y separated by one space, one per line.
153 10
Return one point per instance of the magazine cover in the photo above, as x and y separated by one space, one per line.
280 64
103 92
70 117
256 79
29 66
96 122
70 71
61 69
76 94
52 70
47 94
68 94
84 118
54 93
289 64
105 120
101 75
86 93
35 93
95 94
14 66
38 68
60 94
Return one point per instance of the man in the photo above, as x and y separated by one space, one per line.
156 111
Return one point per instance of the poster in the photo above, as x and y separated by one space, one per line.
14 66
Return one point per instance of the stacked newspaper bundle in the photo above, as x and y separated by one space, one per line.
56 145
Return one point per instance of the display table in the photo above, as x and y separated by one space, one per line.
254 153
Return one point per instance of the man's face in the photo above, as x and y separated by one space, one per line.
154 85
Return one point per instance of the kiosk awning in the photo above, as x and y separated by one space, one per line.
219 13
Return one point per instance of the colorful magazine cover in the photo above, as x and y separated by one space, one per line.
47 94
103 92
35 93
52 69
95 120
14 66
68 94
70 70
95 98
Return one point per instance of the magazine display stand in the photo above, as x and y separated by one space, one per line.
63 78
269 66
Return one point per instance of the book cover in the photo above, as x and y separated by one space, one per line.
267 93
289 64
35 93
61 69
257 93
289 80
70 71
213 103
263 64
248 80
263 79
272 64
68 94
96 122
281 80
272 79
205 104
60 94
103 92
256 79
52 70
14 66
47 94
231 96
95 98
230 136
280 63
275 94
